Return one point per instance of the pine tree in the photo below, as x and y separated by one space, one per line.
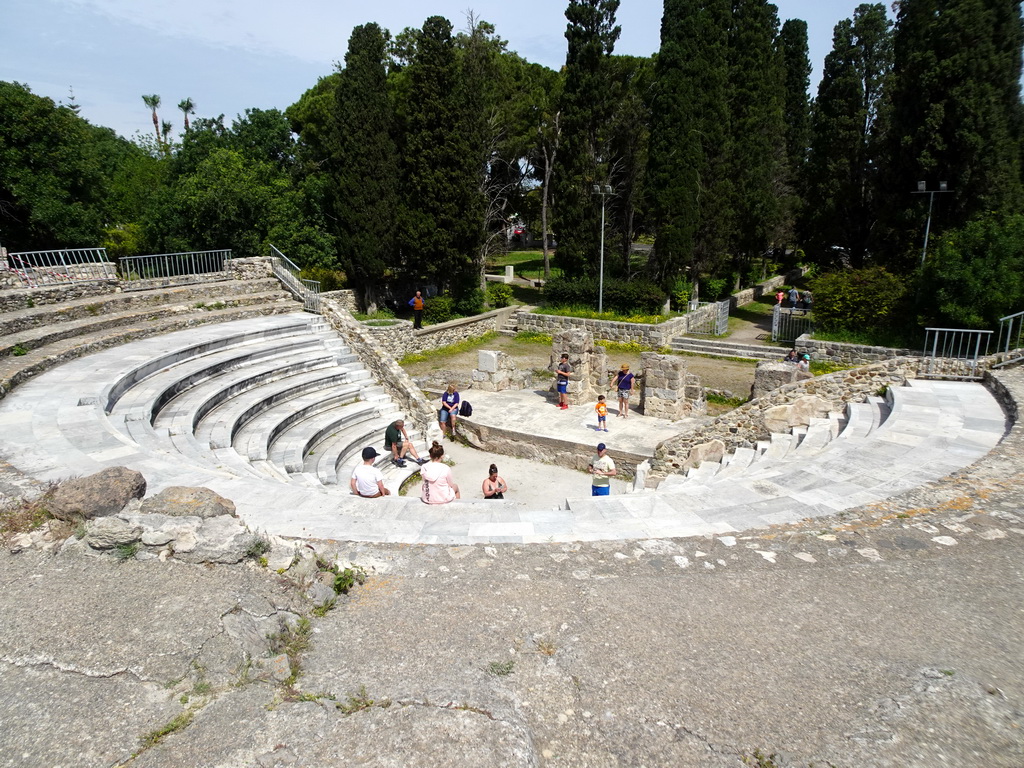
847 120
690 194
585 109
366 163
956 116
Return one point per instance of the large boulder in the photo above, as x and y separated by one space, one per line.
179 501
782 418
100 495
712 451
110 532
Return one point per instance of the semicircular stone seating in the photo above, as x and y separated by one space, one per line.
272 412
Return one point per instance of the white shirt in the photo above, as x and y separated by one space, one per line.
367 476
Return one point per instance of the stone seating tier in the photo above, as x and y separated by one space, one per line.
57 427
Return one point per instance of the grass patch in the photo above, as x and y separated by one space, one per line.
23 515
625 348
451 349
18 350
359 701
177 723
824 367
725 402
293 641
258 547
527 264
126 552
593 314
534 337
755 311
381 314
501 668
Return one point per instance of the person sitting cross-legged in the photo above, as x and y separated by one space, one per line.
396 440
367 481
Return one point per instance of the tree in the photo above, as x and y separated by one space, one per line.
956 116
153 102
843 163
792 44
690 192
187 107
441 202
365 163
585 110
758 161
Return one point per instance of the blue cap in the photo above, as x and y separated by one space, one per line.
601 447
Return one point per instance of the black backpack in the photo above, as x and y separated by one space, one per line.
465 409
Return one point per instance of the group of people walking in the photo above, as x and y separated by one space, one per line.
796 299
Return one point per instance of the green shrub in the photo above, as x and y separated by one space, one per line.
499 295
863 299
469 304
681 295
439 309
626 298
330 279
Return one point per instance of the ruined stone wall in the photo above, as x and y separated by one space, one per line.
589 363
26 298
744 426
386 371
400 339
668 390
606 330
250 269
496 371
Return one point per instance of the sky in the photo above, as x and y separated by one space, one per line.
230 55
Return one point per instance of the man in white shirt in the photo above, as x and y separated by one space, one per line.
367 481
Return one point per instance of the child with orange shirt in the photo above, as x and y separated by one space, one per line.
602 414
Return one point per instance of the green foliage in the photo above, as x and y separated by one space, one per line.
728 402
627 298
125 552
329 279
18 350
501 668
499 295
681 292
593 314
345 579
470 303
861 299
714 288
451 349
124 240
975 275
439 309
259 546
177 723
535 337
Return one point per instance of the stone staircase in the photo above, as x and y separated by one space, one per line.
726 348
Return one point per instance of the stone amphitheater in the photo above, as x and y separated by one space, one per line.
828 575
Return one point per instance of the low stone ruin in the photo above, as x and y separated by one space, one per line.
589 363
668 390
771 375
496 371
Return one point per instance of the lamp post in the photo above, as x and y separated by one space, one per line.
922 190
603 190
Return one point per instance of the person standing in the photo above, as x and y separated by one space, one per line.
494 486
624 386
438 484
449 412
794 297
603 469
563 372
602 414
416 302
396 440
779 296
368 481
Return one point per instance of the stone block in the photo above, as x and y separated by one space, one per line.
487 361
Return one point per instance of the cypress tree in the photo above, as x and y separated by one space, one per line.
366 184
690 192
440 225
759 149
792 44
843 159
586 107
956 116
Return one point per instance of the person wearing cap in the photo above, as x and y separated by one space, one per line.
396 440
804 364
602 468
624 385
367 481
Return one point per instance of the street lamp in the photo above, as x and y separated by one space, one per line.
603 190
922 190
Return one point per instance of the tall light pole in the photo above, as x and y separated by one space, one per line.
922 190
603 190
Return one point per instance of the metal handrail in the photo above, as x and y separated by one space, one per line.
66 265
289 274
164 265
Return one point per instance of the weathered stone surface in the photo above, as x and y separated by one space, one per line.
711 451
220 539
782 418
771 375
104 493
667 389
109 532
179 501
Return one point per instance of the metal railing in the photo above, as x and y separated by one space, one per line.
715 321
787 325
1011 335
952 353
68 265
165 265
287 271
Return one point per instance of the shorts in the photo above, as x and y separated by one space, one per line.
625 393
443 415
600 490
563 386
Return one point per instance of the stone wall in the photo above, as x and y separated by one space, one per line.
386 371
400 339
250 269
496 371
744 426
622 333
25 298
668 390
771 374
345 299
848 354
589 365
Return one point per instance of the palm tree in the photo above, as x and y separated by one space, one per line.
166 127
153 102
188 107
